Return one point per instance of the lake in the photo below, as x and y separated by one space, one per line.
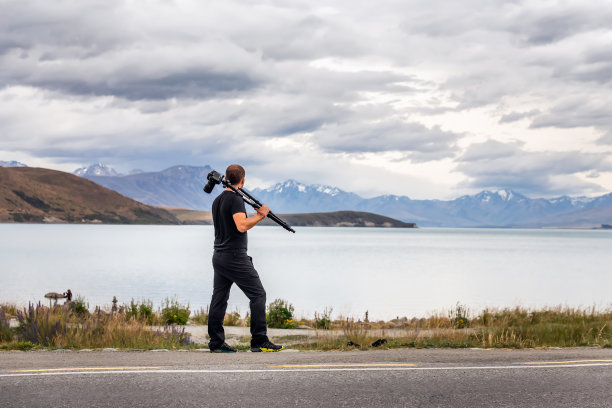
388 272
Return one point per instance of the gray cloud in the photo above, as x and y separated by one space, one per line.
490 150
546 25
497 165
420 142
579 111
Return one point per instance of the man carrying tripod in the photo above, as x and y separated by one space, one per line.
232 265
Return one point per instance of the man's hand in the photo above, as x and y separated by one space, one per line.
244 224
263 210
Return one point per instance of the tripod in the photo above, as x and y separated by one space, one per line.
216 178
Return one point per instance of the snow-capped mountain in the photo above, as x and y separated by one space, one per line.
294 197
487 196
503 208
11 163
178 186
181 186
97 169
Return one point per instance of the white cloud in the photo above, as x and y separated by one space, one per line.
152 84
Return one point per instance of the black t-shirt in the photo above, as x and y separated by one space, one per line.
227 236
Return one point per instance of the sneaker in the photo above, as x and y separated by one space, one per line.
267 346
224 348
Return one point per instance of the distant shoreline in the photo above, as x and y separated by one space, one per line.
325 219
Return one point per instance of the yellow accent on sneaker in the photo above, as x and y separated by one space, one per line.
271 350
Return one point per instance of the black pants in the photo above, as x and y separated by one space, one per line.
236 267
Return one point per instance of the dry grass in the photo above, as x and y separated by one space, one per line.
200 316
62 327
9 308
491 328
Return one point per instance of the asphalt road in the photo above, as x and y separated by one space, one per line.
389 378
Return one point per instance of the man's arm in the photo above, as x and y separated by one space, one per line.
244 223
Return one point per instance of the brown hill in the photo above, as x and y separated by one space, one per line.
342 219
40 195
190 217
330 219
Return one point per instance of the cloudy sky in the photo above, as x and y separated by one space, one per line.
430 99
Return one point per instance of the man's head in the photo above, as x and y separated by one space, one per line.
235 174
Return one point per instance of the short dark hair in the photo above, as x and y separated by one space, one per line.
234 173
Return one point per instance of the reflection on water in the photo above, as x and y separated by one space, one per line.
390 272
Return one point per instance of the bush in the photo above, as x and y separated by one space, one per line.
280 315
459 317
324 321
175 313
232 319
79 306
142 311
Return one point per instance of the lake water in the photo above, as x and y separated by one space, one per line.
389 272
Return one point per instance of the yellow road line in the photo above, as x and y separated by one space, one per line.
80 369
341 365
564 362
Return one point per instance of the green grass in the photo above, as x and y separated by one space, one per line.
18 345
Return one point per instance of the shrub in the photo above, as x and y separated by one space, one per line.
280 314
323 321
142 311
232 319
79 306
175 313
459 317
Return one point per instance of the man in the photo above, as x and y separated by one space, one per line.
232 265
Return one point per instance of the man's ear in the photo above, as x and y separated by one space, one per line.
242 182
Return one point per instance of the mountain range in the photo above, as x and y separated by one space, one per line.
178 186
181 186
36 195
